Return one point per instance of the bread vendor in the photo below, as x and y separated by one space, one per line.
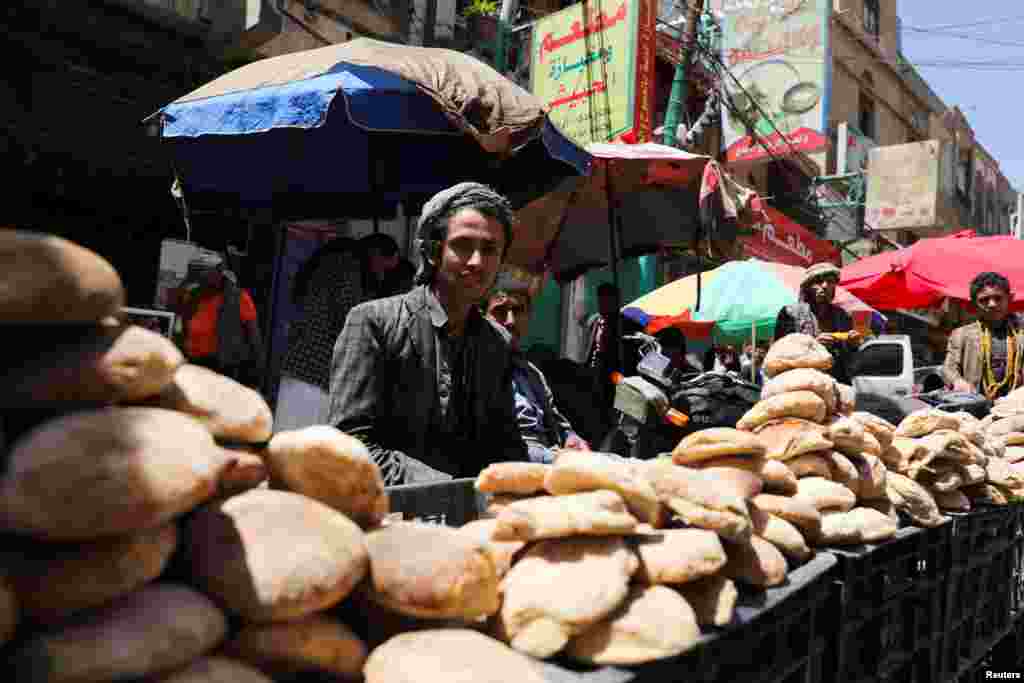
987 356
424 379
542 425
815 315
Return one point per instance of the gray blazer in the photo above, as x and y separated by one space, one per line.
384 391
963 354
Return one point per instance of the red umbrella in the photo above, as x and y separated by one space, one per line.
931 270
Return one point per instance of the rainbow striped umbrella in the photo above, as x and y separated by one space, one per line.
736 300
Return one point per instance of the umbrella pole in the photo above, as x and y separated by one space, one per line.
753 347
613 253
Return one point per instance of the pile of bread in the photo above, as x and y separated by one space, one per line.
141 540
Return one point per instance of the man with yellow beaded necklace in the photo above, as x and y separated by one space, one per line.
987 356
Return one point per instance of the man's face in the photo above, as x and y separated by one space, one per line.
470 255
823 289
993 304
511 312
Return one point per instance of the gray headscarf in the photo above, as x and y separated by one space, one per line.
432 227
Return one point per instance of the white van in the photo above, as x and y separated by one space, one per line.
884 377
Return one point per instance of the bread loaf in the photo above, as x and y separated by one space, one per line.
838 528
847 434
846 401
878 427
845 472
796 511
514 478
581 472
448 655
315 644
562 587
324 464
954 501
796 351
874 526
712 598
598 513
653 623
824 494
911 498
775 475
217 670
925 421
780 533
803 379
674 556
872 477
707 444
755 562
810 465
502 552
801 404
791 437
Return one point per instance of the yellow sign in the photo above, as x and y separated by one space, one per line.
593 67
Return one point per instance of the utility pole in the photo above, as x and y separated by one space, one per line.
508 10
677 99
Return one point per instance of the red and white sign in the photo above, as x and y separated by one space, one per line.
747 148
779 239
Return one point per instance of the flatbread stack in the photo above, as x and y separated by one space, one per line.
820 465
617 561
155 529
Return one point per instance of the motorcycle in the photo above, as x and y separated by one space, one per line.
660 405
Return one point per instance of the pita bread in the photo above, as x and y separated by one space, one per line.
796 351
874 526
925 421
847 434
973 474
913 499
845 472
431 571
872 477
692 495
838 528
755 562
797 512
803 379
985 493
327 465
598 513
810 465
942 481
1014 454
316 644
713 599
654 623
499 501
217 670
775 475
780 533
513 478
1001 474
802 404
678 556
791 437
716 442
742 483
884 506
502 552
902 452
449 655
582 472
825 495
878 427
562 587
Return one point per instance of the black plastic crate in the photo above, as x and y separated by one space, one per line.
775 637
870 575
983 530
982 616
452 503
900 636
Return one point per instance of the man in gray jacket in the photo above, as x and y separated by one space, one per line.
423 378
542 425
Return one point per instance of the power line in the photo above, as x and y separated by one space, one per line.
962 36
982 22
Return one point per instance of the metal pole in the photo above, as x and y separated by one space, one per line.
677 99
613 246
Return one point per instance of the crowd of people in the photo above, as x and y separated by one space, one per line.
427 368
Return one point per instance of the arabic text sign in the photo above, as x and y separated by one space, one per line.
779 239
903 186
778 50
593 67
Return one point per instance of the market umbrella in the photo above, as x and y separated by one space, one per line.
740 298
933 269
637 198
352 129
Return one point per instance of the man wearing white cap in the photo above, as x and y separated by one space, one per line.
541 424
817 316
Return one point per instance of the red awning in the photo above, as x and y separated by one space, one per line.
780 239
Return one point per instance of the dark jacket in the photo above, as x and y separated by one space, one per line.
800 318
384 391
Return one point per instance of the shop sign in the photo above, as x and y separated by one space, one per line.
779 239
779 53
593 68
904 185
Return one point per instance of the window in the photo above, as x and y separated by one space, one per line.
878 360
866 117
871 15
